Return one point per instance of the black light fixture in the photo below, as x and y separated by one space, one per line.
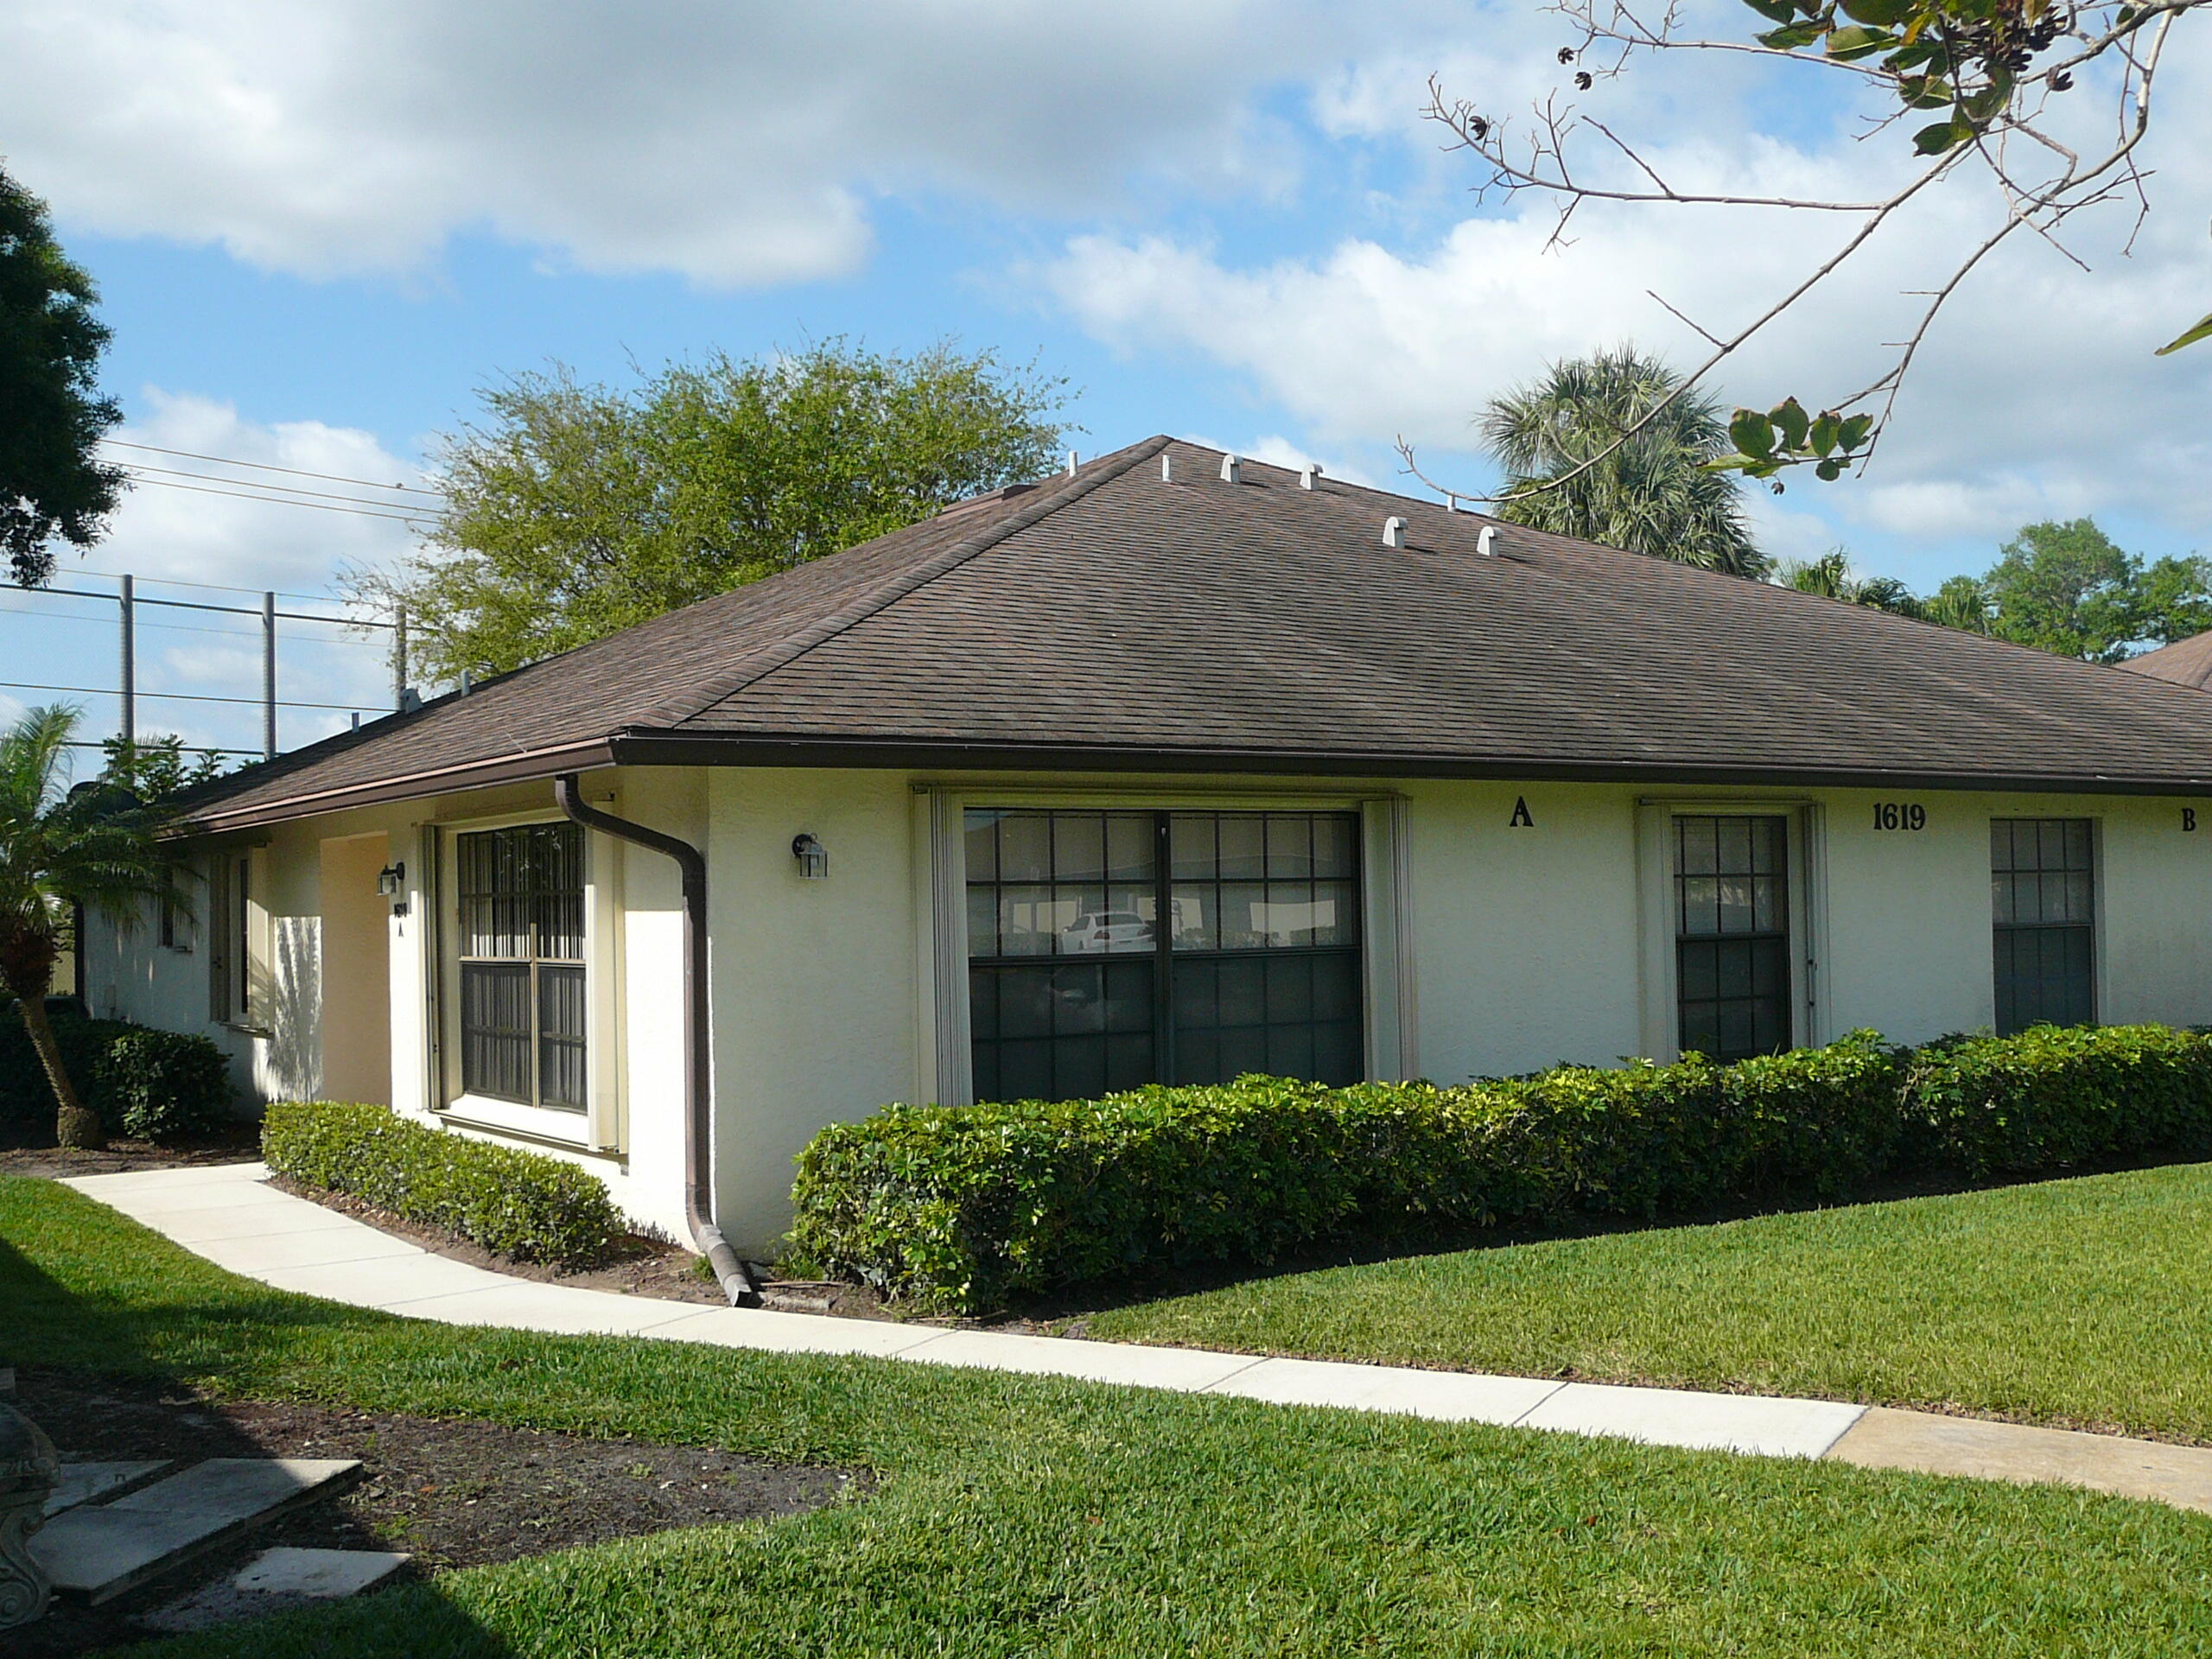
391 881
813 857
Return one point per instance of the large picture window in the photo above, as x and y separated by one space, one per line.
521 902
1732 935
1075 988
2042 900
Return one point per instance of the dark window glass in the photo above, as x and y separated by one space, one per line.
1073 991
2043 908
1732 935
521 901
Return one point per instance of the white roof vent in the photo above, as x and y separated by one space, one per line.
1166 466
1485 543
1394 532
1232 469
1073 459
1309 474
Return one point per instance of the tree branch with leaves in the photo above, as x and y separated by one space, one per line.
1977 83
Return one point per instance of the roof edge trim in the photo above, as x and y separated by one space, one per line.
678 748
416 785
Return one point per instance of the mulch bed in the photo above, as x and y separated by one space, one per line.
27 1149
456 1494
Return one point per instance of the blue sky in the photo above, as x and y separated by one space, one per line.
318 231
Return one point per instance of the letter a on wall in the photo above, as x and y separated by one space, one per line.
1521 818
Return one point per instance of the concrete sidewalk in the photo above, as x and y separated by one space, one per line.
230 1215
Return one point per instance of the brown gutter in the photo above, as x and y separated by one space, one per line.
698 1124
525 767
636 748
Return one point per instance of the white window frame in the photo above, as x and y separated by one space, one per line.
944 1056
1806 821
599 1128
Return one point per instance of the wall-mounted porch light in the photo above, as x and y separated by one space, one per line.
813 857
391 881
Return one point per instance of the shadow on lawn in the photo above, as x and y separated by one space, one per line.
1152 1284
119 1401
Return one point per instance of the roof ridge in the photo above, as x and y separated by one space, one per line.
759 665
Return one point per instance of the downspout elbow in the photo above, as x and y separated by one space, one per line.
698 1196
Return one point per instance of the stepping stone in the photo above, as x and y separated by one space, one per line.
324 1573
101 1551
277 1580
81 1483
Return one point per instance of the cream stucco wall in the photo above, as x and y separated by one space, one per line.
1523 943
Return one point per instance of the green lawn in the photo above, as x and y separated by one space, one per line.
1030 1515
2085 1302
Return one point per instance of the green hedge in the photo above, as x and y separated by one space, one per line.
518 1203
957 1209
164 1085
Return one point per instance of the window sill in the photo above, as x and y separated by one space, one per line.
570 1131
245 1029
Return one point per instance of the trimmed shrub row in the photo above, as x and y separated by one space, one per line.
162 1085
520 1204
959 1208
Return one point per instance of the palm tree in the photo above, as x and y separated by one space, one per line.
1832 577
1651 494
60 848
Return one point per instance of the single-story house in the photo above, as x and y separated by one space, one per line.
1174 767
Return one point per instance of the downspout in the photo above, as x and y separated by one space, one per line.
698 1128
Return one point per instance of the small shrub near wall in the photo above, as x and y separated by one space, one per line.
958 1209
520 1204
164 1085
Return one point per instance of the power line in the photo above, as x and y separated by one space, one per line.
109 621
286 501
184 696
266 466
140 469
200 605
215 588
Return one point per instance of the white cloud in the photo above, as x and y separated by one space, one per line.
173 535
736 143
176 523
2037 393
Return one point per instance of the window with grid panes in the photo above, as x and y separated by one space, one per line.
2043 898
1732 935
1075 988
521 894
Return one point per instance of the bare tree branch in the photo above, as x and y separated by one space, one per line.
1991 79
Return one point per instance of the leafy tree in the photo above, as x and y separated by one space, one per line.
1962 602
61 847
2070 588
1561 440
576 510
154 768
52 482
1832 577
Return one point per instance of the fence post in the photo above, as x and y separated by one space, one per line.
130 722
269 676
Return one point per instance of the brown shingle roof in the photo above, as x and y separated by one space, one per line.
2185 662
1117 618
